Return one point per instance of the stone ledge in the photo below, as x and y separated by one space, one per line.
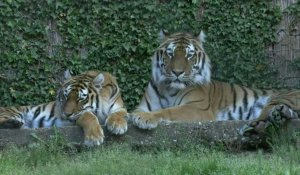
215 132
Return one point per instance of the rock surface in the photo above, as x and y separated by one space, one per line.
174 134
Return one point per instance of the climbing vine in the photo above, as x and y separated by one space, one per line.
40 39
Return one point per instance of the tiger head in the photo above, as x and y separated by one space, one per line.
79 94
180 61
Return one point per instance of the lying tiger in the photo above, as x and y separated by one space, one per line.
87 100
181 89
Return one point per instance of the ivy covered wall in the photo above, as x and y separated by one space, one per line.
40 39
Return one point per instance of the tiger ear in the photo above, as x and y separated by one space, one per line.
98 80
163 34
62 77
67 74
201 37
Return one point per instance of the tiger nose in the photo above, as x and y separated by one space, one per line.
67 114
178 72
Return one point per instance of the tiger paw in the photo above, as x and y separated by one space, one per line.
93 133
278 115
93 136
10 123
11 118
116 124
144 120
254 127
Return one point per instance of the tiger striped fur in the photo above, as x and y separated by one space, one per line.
181 89
87 100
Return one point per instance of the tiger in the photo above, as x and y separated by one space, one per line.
86 100
181 90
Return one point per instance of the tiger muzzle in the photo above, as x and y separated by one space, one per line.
71 106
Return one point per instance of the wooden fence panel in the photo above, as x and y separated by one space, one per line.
286 50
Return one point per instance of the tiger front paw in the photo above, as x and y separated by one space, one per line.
93 135
144 120
116 124
278 115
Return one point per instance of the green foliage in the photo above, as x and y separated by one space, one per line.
238 35
120 37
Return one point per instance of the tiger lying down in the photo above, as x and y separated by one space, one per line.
181 89
86 100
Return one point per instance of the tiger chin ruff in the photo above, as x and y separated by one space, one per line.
181 89
86 100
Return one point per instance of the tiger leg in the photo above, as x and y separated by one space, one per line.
116 122
281 107
275 116
11 118
182 113
93 133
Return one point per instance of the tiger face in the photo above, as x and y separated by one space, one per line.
78 95
180 61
